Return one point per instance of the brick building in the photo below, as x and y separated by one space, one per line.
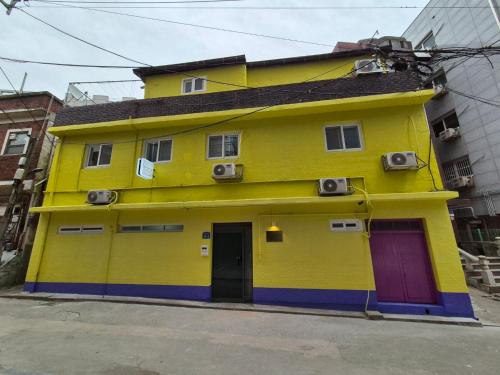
23 117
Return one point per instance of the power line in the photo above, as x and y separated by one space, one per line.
166 70
476 98
326 7
21 61
141 2
206 27
221 122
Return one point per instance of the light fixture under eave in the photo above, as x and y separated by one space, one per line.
273 228
274 233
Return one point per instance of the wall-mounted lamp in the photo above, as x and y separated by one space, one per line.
274 233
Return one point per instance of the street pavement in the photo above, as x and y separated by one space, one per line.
48 337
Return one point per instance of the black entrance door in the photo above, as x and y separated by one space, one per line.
232 262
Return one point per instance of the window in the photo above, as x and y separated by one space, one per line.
158 150
222 146
16 142
457 168
152 228
351 225
82 229
429 42
447 122
99 155
197 84
440 79
342 137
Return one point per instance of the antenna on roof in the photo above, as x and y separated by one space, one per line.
373 37
24 81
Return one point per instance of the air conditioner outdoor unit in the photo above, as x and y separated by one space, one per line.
363 67
334 186
462 182
225 171
100 196
449 134
396 161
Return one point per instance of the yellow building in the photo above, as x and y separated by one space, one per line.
297 181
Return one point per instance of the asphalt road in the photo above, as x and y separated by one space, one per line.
124 339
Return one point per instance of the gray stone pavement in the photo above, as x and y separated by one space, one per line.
49 337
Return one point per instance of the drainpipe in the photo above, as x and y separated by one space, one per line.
494 9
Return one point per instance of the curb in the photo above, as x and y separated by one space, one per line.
368 315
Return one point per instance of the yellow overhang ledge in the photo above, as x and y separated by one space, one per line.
295 109
431 196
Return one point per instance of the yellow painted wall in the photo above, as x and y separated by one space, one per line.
281 158
294 73
164 85
171 84
311 256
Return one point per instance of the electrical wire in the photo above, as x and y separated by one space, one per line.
221 122
21 61
18 94
206 27
326 7
161 69
476 98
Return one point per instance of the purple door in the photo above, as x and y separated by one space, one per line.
401 263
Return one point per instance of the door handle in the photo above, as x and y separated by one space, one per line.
238 260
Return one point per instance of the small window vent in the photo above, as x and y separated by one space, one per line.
350 225
152 228
82 229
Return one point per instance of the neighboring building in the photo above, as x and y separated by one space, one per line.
23 117
271 232
470 163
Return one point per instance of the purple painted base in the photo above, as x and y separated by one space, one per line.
449 304
185 292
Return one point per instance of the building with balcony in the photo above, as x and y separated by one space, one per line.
305 181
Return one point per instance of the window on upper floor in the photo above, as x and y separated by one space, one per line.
98 155
223 146
16 141
429 42
195 84
158 150
440 79
343 138
447 122
457 168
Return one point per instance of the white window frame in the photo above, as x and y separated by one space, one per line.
6 140
192 79
420 46
158 152
223 153
344 149
87 155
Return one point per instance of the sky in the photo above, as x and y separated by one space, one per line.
160 43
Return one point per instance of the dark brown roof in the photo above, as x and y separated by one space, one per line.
246 98
185 67
241 59
310 58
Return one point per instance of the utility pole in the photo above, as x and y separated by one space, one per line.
9 6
